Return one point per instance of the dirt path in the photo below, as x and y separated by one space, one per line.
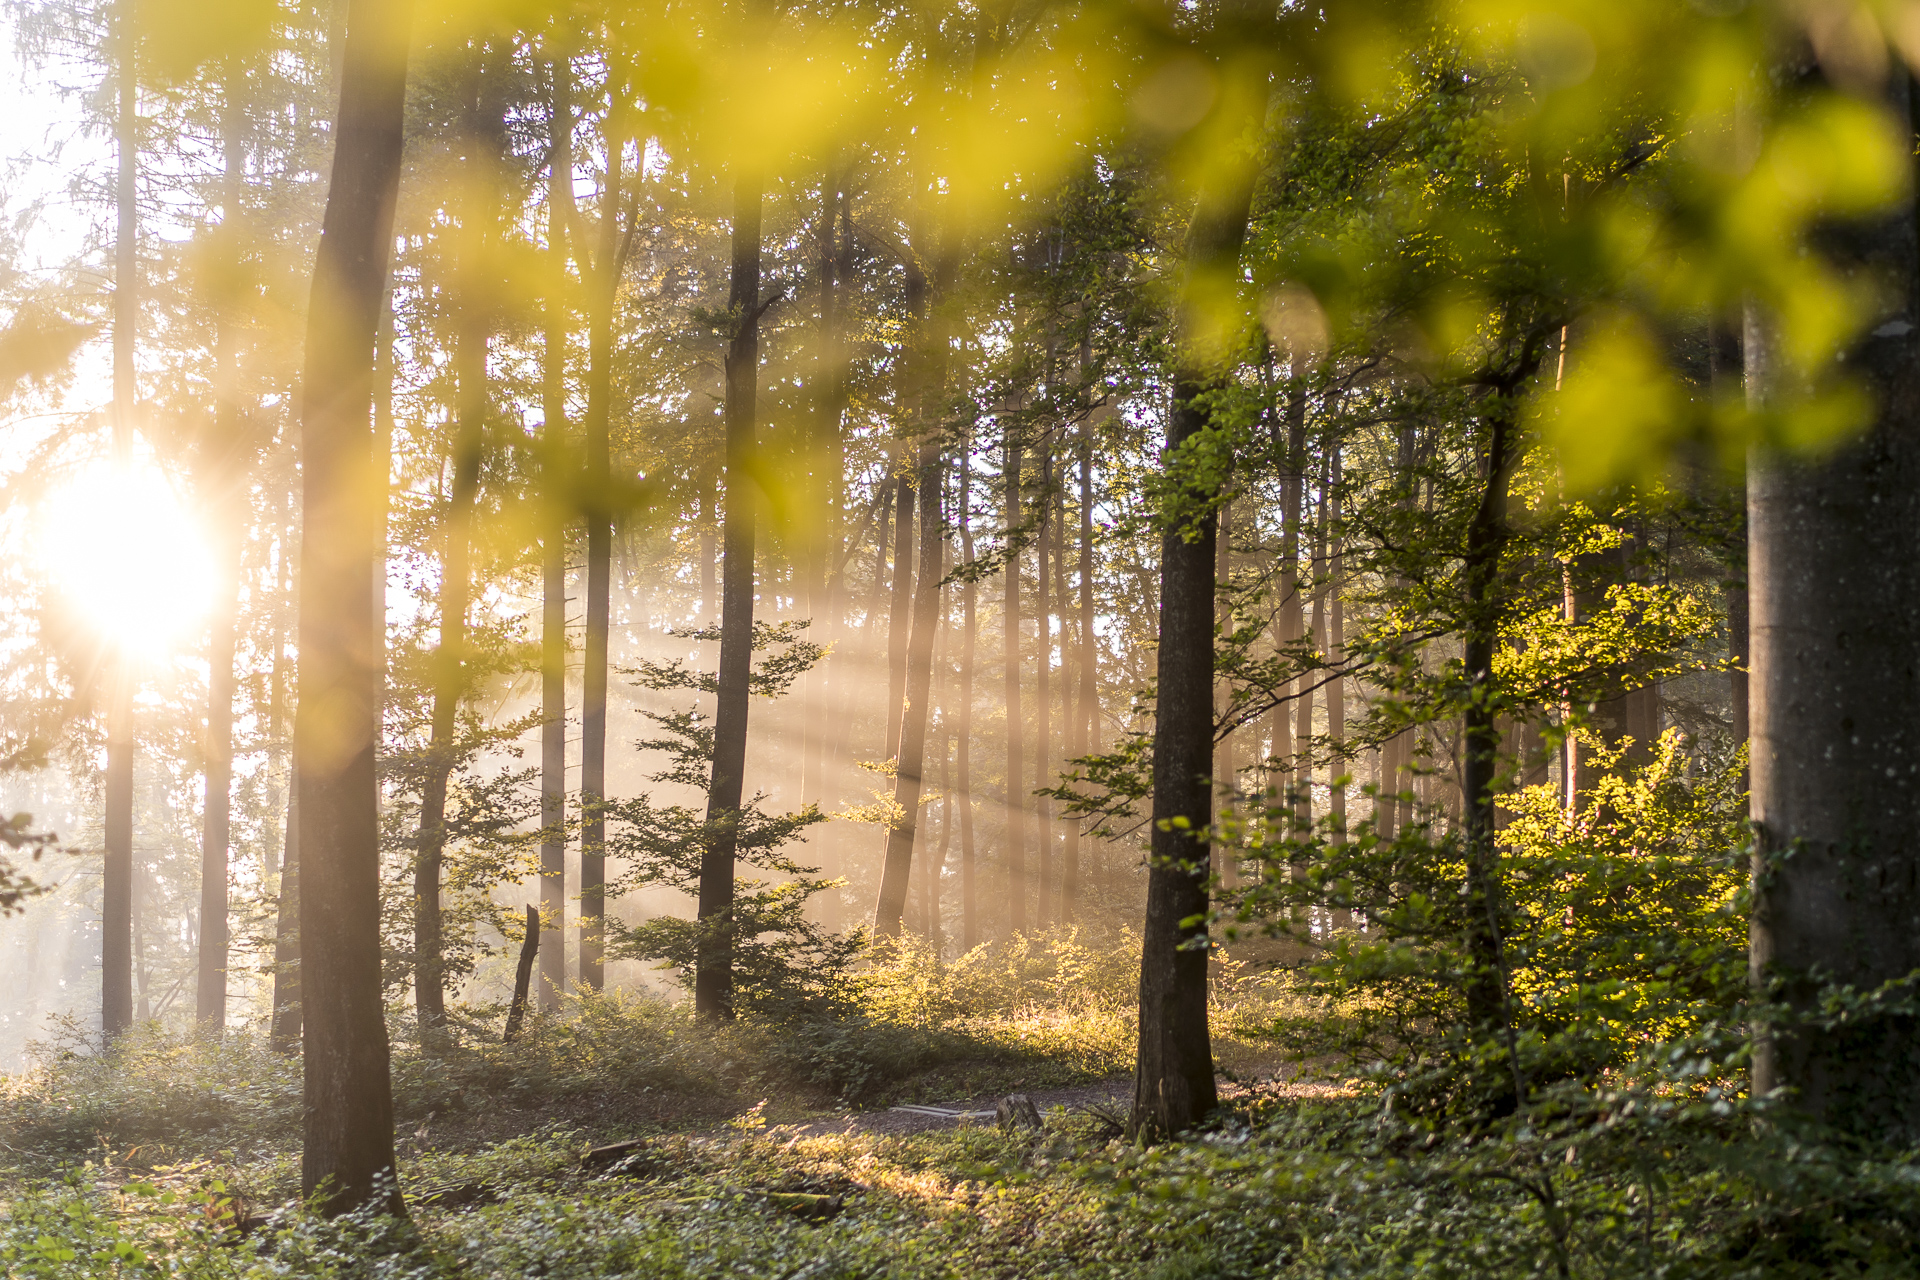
1112 1096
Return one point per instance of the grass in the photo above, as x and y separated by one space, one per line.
178 1155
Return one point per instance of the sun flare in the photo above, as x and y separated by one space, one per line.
125 555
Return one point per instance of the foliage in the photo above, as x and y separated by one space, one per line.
783 962
16 833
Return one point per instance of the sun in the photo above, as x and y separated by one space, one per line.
121 551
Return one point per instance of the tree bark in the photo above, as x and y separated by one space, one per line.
1226 763
349 1101
1835 591
1045 844
1173 1076
713 965
449 676
284 1030
899 616
897 865
963 723
1016 804
553 578
1072 721
1089 640
116 905
1485 981
599 522
226 472
826 464
523 976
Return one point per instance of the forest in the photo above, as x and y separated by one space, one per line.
1028 638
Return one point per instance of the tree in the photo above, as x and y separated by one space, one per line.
1173 1081
713 977
117 889
348 1152
1836 779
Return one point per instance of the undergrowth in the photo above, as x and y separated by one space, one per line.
1043 1010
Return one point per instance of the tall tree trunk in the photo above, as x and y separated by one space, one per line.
599 521
553 577
284 1028
1342 917
1046 846
1835 699
1071 724
709 553
897 865
1724 368
1089 717
1017 886
713 965
226 475
1173 1075
210 999
116 904
1226 763
349 1100
1290 625
827 465
1485 981
963 725
899 616
448 671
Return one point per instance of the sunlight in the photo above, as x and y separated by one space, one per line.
118 548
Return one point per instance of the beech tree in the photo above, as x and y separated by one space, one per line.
348 1152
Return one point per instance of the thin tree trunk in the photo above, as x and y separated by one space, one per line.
713 965
963 727
1089 643
448 671
1072 724
283 1033
1485 982
599 521
709 553
349 1100
523 975
937 865
1724 367
1045 871
1342 918
210 1004
1173 1076
1016 805
1316 636
226 474
1281 777
899 617
553 578
1226 764
897 864
826 457
116 906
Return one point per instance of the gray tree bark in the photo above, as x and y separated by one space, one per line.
553 577
349 1100
897 867
1835 592
1174 1087
599 522
713 964
116 896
